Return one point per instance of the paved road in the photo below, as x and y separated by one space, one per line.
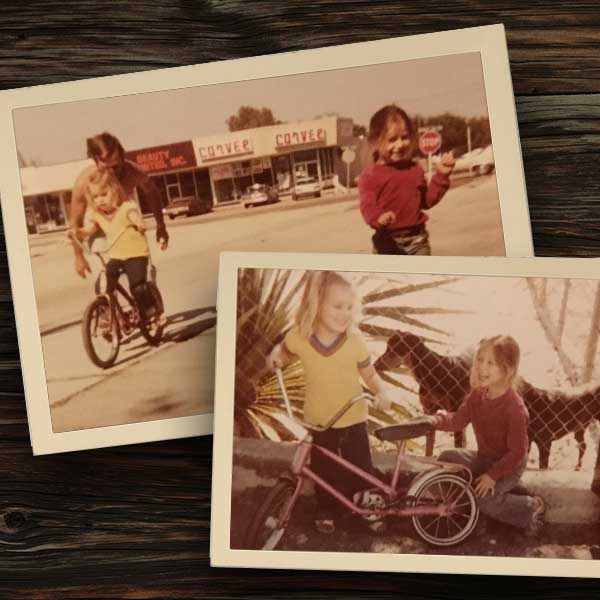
466 222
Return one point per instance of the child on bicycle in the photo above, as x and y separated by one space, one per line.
393 190
334 358
499 418
121 222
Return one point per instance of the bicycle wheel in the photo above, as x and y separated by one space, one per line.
100 332
151 329
456 526
262 533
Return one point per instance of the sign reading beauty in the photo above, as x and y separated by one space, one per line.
225 149
300 135
164 158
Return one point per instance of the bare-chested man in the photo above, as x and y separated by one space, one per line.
107 152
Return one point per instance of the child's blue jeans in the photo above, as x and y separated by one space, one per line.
513 509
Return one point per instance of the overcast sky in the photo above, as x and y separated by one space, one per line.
56 133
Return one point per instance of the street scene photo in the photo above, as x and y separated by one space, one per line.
129 200
416 413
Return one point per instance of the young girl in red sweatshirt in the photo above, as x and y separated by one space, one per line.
393 190
499 418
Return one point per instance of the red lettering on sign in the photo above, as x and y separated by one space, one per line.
300 136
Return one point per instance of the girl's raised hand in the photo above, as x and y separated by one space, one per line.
446 164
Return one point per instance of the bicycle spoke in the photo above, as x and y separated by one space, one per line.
451 520
439 486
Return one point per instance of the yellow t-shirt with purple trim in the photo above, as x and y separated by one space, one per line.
123 241
331 376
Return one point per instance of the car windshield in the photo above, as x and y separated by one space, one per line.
257 187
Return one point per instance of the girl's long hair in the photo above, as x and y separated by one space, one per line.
315 290
99 181
506 353
379 124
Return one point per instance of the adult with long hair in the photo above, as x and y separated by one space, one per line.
108 155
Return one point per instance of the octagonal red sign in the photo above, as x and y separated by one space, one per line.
430 142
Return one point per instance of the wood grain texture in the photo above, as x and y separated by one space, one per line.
133 522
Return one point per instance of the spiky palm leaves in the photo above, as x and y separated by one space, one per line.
263 317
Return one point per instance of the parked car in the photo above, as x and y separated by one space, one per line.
259 193
188 206
479 161
305 187
483 162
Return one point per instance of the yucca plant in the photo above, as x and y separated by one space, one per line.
265 302
263 317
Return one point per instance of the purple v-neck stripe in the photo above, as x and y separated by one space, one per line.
321 348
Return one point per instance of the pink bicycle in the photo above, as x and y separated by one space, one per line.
439 500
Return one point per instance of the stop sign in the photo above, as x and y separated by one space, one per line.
430 142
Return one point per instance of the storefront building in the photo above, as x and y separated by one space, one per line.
214 170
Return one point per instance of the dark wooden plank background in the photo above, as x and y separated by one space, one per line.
133 522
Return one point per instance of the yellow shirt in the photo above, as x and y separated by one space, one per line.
123 241
331 376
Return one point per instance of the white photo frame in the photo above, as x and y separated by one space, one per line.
358 268
489 42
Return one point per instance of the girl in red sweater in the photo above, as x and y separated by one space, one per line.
393 190
499 418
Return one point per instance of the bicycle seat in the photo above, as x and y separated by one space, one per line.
405 431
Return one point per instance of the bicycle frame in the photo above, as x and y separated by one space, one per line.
302 471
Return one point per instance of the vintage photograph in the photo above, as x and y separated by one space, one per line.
129 199
414 413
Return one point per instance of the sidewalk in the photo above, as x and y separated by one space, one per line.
173 380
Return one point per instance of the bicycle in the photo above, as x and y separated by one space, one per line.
440 501
110 318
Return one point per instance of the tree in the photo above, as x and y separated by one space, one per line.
248 117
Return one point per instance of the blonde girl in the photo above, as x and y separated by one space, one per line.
335 359
120 220
393 190
499 418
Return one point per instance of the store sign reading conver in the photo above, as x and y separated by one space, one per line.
302 135
235 147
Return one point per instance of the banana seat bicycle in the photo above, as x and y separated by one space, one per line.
439 500
110 318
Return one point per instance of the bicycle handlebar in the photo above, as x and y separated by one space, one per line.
73 237
336 417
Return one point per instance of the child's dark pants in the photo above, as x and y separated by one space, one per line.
352 443
136 269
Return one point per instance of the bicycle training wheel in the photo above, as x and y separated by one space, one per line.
100 333
456 526
262 533
151 329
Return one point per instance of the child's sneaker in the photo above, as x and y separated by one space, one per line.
325 525
373 501
537 520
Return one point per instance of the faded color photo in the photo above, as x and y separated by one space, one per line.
130 199
416 414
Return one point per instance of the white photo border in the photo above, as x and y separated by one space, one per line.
221 553
489 41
